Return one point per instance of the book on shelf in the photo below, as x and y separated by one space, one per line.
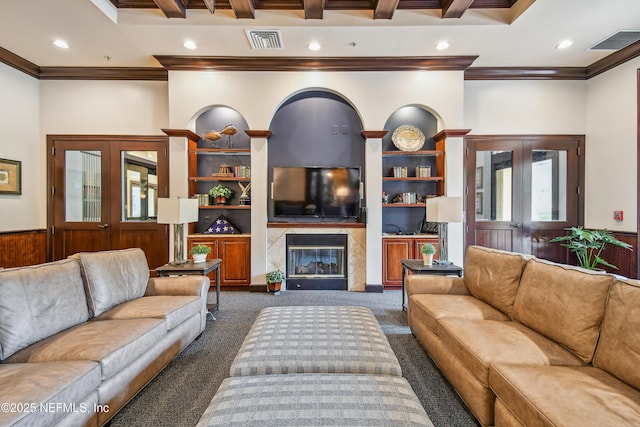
242 171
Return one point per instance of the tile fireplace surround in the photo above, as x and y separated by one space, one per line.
356 244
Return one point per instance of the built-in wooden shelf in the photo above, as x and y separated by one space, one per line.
217 178
413 178
235 207
222 151
414 153
403 205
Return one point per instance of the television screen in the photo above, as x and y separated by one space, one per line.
316 191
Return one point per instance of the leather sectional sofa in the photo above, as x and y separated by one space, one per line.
527 342
80 337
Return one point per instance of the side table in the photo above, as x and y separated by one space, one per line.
190 267
416 266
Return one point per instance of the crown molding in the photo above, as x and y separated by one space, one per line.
525 73
104 73
619 57
19 63
303 63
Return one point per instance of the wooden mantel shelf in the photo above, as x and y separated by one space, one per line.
315 225
186 133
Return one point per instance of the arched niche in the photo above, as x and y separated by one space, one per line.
216 118
411 219
316 127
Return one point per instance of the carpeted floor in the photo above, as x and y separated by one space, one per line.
179 395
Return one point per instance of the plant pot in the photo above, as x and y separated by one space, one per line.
427 259
199 258
221 200
274 287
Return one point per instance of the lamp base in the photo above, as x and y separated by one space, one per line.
179 262
437 261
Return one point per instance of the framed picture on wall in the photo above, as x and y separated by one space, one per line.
10 176
479 175
479 203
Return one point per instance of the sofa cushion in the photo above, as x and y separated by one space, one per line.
315 400
478 344
430 308
39 301
493 276
43 388
113 277
565 396
563 303
115 344
174 309
618 350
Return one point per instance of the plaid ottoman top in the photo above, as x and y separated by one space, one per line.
315 339
315 400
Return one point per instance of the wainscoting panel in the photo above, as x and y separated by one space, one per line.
20 248
625 260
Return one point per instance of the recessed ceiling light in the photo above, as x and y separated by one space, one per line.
61 44
314 46
190 44
564 44
442 45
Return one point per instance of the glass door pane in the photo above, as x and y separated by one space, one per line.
494 186
83 186
139 185
549 185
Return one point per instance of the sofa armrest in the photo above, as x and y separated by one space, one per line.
428 284
178 285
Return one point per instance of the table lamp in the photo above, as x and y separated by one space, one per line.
177 212
444 210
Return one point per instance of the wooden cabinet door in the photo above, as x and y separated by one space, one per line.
212 242
236 261
393 250
417 246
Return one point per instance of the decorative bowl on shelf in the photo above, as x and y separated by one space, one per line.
408 138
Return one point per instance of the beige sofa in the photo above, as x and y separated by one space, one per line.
80 337
529 342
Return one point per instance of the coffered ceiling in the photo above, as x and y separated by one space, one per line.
485 37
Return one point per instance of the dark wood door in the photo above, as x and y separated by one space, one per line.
104 192
522 191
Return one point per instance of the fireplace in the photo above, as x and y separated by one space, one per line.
317 261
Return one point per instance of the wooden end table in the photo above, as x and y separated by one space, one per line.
416 266
191 268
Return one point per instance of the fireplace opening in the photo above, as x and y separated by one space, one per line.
317 261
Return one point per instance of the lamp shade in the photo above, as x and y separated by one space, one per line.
444 209
177 211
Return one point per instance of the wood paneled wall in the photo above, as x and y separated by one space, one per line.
20 248
625 260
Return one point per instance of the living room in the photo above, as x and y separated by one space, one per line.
602 106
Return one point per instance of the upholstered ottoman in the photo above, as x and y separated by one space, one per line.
315 400
312 339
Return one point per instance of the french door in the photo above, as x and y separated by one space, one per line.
522 191
103 195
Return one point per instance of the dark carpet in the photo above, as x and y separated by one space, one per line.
179 395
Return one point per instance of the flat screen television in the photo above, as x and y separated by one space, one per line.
321 192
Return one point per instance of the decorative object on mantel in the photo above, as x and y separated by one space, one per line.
222 226
212 137
245 198
589 244
229 130
408 138
220 194
10 176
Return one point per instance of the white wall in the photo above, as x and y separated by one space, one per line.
611 166
375 95
20 127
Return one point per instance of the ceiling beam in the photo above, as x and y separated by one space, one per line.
173 8
385 9
243 9
313 9
454 8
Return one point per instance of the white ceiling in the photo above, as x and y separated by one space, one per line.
28 27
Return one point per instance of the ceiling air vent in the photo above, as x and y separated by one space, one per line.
618 41
265 39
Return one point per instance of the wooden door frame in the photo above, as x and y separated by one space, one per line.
106 139
530 137
637 169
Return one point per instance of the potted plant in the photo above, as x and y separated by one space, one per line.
428 250
589 244
220 194
199 253
274 281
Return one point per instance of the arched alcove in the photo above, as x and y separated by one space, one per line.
315 128
408 219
